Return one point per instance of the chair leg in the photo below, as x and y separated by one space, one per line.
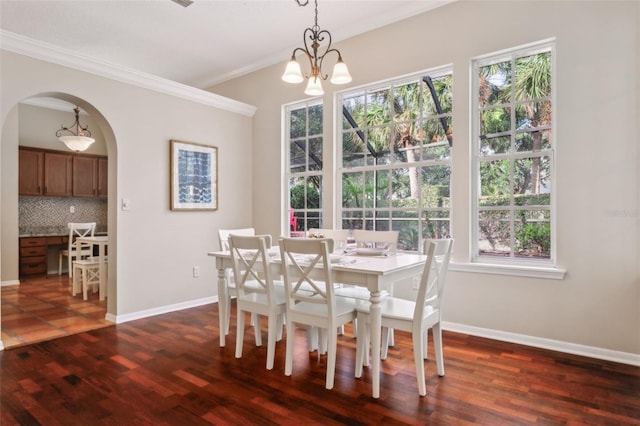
271 339
437 342
387 334
59 263
239 333
417 336
279 327
69 266
85 283
360 349
332 348
257 331
426 344
312 337
291 340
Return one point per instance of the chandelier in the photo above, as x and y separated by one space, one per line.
313 38
78 140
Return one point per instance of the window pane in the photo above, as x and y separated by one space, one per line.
315 120
494 233
531 176
297 156
496 120
494 145
351 220
495 183
382 188
353 150
298 123
313 195
352 190
436 224
443 87
495 83
435 186
406 102
353 107
533 234
315 154
533 76
378 108
408 233
533 141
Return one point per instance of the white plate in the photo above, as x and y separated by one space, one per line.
335 258
370 251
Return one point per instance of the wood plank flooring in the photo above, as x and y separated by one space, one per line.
169 370
42 308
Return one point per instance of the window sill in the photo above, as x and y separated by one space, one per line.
512 270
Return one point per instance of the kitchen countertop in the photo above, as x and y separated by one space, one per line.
51 232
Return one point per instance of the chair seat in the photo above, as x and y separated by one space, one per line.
261 298
344 306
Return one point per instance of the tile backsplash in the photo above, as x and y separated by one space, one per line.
50 215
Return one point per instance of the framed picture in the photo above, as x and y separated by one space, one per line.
194 176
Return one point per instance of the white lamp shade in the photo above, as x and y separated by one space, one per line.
77 143
340 74
314 87
292 73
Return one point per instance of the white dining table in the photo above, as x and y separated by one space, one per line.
372 272
101 241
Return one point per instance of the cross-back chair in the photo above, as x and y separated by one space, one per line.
75 249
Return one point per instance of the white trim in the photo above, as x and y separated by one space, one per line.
9 282
511 270
1 346
554 345
46 52
118 319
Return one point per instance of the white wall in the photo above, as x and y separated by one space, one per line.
152 249
597 306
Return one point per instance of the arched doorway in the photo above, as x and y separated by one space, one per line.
14 132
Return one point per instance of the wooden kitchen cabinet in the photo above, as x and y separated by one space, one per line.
103 177
31 172
58 173
90 176
85 171
33 255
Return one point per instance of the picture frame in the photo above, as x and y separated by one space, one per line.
194 176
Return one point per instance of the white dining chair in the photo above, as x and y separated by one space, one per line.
223 238
306 267
86 275
256 291
415 317
75 249
387 240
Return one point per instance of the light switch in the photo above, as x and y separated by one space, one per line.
126 204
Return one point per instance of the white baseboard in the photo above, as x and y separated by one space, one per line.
118 319
555 345
9 282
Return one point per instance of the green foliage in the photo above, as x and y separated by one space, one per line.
298 196
534 238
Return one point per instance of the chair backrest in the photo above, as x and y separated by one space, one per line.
434 276
375 239
251 264
339 236
76 229
223 235
306 267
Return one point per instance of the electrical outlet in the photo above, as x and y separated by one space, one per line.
196 272
72 209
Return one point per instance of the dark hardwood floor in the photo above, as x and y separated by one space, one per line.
170 370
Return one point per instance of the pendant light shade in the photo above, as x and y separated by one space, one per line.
78 139
314 87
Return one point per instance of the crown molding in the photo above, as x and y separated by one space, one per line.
46 52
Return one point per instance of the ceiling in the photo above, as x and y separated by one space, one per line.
208 42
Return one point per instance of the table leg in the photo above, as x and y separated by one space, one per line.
375 315
222 305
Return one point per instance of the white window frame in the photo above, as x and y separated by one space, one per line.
546 268
286 151
341 170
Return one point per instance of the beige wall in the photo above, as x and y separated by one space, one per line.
152 249
597 305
